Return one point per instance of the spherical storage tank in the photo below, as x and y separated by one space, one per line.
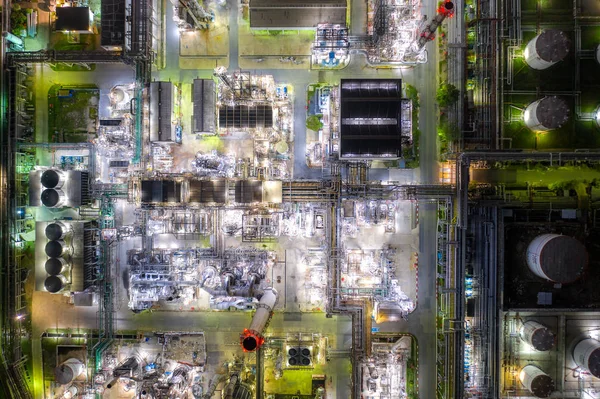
538 336
52 178
55 266
546 49
52 198
587 355
546 114
68 371
56 231
557 258
536 381
55 284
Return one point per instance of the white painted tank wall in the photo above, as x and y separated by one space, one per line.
528 329
534 251
265 306
532 58
583 350
75 365
528 374
530 117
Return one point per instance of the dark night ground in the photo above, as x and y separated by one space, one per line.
521 286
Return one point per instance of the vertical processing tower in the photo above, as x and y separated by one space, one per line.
536 381
546 49
252 338
561 259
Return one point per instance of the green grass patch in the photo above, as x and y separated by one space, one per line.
590 37
69 116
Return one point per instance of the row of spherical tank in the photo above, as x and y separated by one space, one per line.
543 51
57 265
52 181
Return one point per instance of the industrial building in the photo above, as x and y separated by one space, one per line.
296 14
74 19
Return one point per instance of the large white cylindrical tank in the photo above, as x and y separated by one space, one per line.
68 371
561 259
538 336
252 338
546 114
546 49
587 355
536 381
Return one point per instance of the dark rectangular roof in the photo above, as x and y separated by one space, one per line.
112 24
161 191
161 110
208 191
274 14
245 116
248 191
370 125
204 106
72 18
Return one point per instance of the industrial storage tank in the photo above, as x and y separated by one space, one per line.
546 114
538 336
55 284
55 266
252 338
557 258
536 381
52 179
56 231
52 198
56 249
587 355
546 49
68 371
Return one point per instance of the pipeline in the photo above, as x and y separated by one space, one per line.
252 338
230 388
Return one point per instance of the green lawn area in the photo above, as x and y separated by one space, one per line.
590 37
69 118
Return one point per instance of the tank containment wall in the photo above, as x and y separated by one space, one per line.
536 381
587 355
546 114
557 258
252 338
538 336
546 49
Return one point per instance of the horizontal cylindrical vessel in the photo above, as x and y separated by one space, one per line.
68 371
53 178
561 259
53 198
252 337
538 336
546 114
56 266
536 381
56 231
587 355
55 284
546 49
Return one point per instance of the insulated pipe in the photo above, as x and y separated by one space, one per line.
252 339
230 388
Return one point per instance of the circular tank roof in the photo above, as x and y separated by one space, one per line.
50 178
249 344
50 197
552 112
54 249
293 352
305 361
305 352
63 374
53 266
552 45
594 363
292 361
542 339
563 259
53 284
54 231
542 386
